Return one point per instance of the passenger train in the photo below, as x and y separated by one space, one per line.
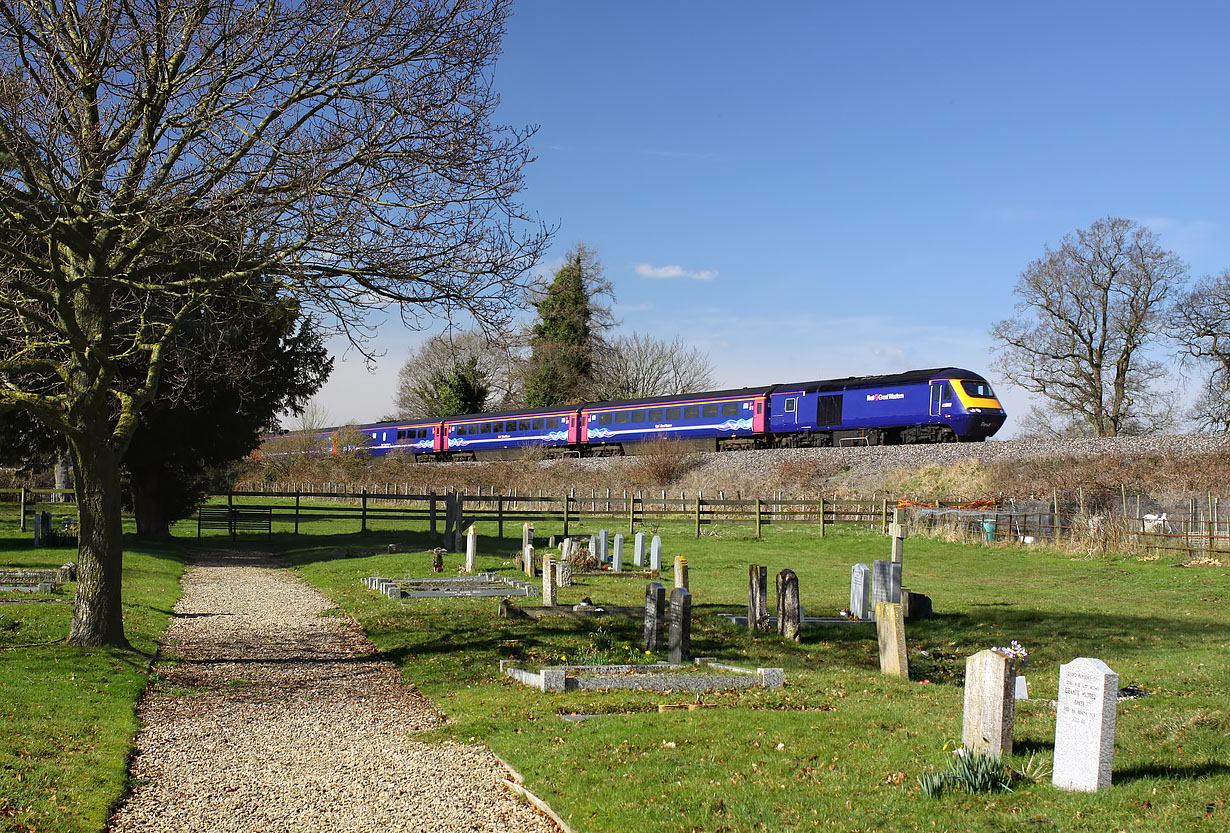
918 406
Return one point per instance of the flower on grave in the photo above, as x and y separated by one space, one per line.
1014 651
563 657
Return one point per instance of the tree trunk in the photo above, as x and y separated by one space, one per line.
147 506
98 616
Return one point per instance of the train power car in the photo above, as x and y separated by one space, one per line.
919 406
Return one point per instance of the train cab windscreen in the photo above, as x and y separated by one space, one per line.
982 390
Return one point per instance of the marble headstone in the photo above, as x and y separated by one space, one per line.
548 581
1085 725
655 553
885 582
638 549
604 550
471 549
860 591
617 553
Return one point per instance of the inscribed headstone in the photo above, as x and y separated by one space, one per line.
1085 725
679 647
890 630
990 707
860 591
885 583
789 611
655 612
638 549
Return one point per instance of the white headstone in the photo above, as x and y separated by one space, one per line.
860 591
471 548
548 582
617 554
638 549
1085 725
655 553
604 549
1022 688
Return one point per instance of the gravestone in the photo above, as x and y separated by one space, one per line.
527 535
38 531
548 581
604 548
655 553
528 556
392 548
885 583
757 598
916 605
990 704
655 612
617 553
679 647
1085 725
563 574
638 549
896 531
681 571
565 549
1022 689
890 631
471 548
789 611
860 591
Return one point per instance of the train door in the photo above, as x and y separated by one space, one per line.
790 408
441 440
937 396
574 433
758 416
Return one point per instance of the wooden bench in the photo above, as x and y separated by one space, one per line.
235 519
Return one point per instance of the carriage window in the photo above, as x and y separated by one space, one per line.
730 409
655 415
486 427
672 414
401 435
790 405
691 412
636 416
604 419
538 423
523 425
980 389
497 427
422 433
710 410
621 418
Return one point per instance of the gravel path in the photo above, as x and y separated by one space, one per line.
274 721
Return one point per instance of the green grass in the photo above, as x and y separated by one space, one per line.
840 747
67 714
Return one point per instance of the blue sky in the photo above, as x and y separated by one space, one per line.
807 189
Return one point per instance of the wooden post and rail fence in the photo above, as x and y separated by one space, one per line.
1200 528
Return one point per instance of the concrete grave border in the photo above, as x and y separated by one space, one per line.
655 677
482 585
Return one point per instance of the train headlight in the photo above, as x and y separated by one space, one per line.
975 410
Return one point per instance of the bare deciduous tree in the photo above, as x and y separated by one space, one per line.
345 147
1084 314
638 365
1200 324
498 364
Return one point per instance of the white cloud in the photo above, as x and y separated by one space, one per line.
646 270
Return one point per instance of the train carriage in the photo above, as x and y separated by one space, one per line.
711 421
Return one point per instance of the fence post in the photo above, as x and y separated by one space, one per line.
821 517
566 514
698 516
1055 516
499 516
884 517
431 514
631 512
297 512
22 508
757 518
363 514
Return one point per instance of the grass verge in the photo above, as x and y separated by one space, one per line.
68 713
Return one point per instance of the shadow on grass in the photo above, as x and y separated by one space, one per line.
1181 773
